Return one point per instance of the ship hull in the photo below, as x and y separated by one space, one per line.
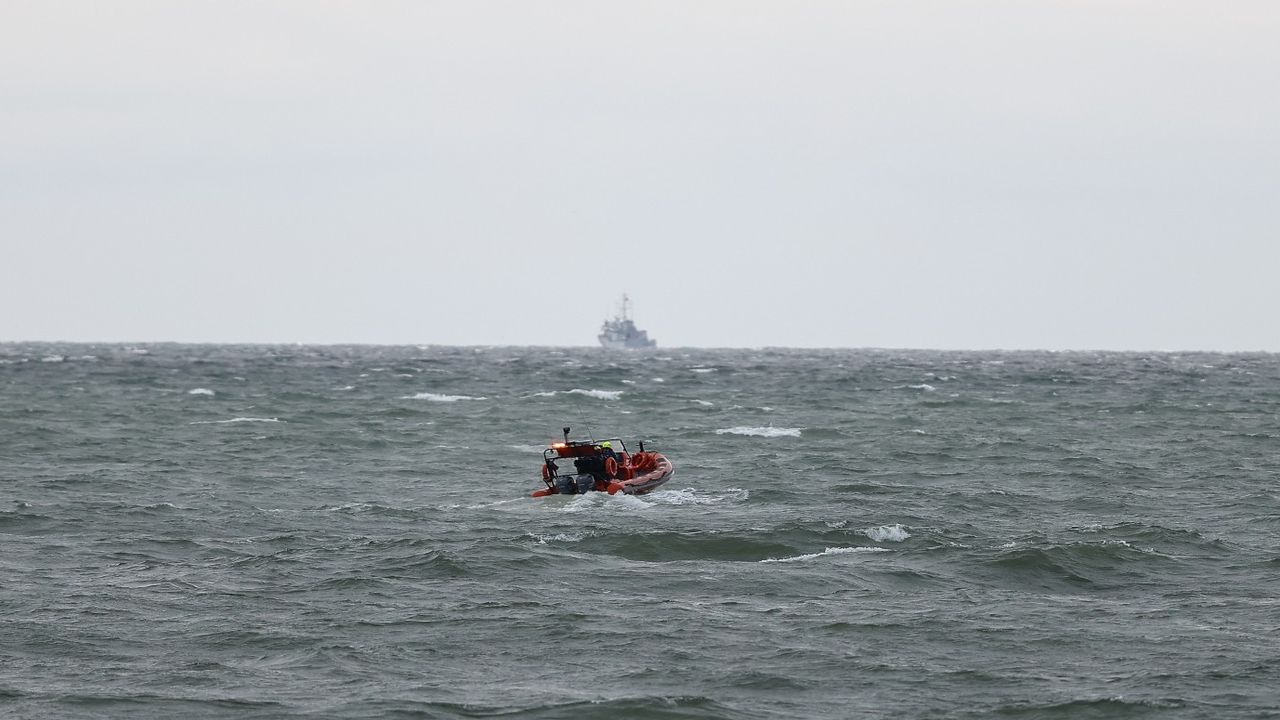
610 343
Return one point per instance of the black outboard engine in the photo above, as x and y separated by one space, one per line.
566 484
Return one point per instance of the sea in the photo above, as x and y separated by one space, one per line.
347 532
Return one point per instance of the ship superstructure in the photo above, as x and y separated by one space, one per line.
621 333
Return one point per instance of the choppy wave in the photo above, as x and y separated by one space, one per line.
890 533
828 551
438 397
598 394
769 431
912 554
200 391
236 420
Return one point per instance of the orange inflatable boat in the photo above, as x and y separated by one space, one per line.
576 467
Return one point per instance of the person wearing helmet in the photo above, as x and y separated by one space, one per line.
595 464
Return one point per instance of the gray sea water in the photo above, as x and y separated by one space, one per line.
347 532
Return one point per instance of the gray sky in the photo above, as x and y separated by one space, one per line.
893 173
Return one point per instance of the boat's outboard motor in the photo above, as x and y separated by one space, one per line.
586 483
565 485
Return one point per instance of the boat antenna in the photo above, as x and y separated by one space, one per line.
578 406
566 434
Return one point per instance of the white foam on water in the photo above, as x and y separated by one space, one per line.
600 394
346 387
235 420
828 551
53 358
485 505
689 496
922 386
628 382
604 501
770 431
200 391
656 380
892 533
704 403
702 370
437 397
558 537
347 506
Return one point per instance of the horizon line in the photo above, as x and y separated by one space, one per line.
637 352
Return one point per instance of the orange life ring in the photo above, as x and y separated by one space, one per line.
610 467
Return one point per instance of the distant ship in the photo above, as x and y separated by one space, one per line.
621 333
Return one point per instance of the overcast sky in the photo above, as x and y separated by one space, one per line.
1088 174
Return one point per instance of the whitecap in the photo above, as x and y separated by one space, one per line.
200 391
558 537
892 533
704 403
770 431
235 420
601 394
53 358
598 500
922 386
828 551
689 496
656 380
437 397
702 370
348 506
